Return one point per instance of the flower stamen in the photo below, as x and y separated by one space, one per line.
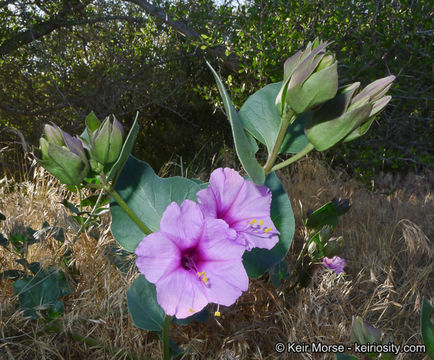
260 229
202 276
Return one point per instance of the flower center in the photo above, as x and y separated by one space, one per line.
188 263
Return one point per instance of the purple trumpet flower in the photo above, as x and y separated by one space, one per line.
244 206
192 261
335 264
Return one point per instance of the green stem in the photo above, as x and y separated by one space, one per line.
309 147
128 210
286 121
83 226
166 344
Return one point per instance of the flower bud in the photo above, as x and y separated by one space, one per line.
347 117
54 134
333 247
105 140
363 333
310 78
373 94
63 155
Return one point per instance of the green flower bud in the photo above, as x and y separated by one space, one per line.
333 247
373 94
105 140
63 156
363 333
53 134
310 78
347 117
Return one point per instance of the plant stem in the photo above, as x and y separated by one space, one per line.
308 148
128 210
286 121
83 226
166 347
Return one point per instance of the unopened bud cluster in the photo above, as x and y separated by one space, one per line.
310 85
71 159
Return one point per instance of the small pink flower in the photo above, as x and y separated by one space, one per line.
335 264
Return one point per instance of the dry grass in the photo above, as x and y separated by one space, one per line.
388 252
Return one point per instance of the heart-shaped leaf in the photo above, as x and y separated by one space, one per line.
260 118
148 197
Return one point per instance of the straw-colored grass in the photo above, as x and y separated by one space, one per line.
389 268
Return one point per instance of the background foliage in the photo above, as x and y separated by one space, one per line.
60 59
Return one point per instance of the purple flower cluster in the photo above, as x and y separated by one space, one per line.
196 256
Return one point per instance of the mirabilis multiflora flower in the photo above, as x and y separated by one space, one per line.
244 206
192 261
335 264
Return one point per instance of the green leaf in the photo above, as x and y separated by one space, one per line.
22 262
245 145
92 122
142 303
91 201
260 118
325 215
72 207
258 261
126 150
17 241
42 291
118 257
278 273
57 310
3 241
427 327
11 274
295 139
148 196
30 238
34 267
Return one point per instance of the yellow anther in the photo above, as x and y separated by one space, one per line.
202 276
261 222
191 310
267 230
254 221
217 313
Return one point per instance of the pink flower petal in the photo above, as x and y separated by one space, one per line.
183 224
227 281
157 255
219 244
237 201
181 294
